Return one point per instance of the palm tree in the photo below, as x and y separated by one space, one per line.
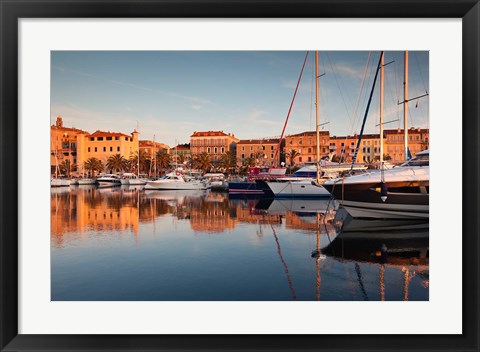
92 165
117 162
163 159
67 167
181 159
228 161
292 154
203 161
144 161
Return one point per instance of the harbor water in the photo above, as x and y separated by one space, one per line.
129 244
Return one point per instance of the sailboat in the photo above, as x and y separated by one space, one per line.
398 193
297 186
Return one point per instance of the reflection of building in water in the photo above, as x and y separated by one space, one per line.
82 210
308 222
253 216
212 217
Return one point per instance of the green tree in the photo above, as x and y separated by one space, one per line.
145 161
93 165
66 167
291 155
228 161
117 162
202 161
163 159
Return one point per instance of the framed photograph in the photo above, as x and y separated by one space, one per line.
239 176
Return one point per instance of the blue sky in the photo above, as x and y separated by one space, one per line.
248 93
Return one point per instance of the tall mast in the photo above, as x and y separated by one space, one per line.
154 157
317 113
382 88
138 152
405 106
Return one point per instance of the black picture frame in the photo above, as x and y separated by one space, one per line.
12 11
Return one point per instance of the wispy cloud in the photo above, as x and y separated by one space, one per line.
193 99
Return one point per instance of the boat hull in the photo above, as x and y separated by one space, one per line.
297 189
250 187
58 182
362 200
172 186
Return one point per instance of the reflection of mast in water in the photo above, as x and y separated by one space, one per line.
382 282
279 250
406 281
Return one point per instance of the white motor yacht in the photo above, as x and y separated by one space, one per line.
59 182
176 181
132 179
109 180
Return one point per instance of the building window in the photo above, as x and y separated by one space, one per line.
91 139
300 142
263 147
271 156
309 158
109 138
271 147
89 149
251 148
208 150
223 150
215 150
243 156
117 138
111 149
300 159
118 149
309 150
95 149
291 142
243 148
342 144
99 138
104 149
126 138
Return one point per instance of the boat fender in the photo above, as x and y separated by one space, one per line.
383 191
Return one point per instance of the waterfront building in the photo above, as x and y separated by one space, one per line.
150 147
102 145
305 144
181 153
418 140
264 151
63 143
214 143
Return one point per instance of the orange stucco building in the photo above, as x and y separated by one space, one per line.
214 143
264 150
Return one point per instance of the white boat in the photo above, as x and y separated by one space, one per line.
132 179
297 189
59 182
398 193
176 181
217 181
109 180
86 181
406 189
306 182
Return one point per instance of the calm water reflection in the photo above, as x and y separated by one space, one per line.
130 244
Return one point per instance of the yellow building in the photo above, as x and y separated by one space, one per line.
151 148
102 145
64 143
305 144
263 150
214 143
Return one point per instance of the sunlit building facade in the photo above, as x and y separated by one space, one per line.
263 151
214 143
